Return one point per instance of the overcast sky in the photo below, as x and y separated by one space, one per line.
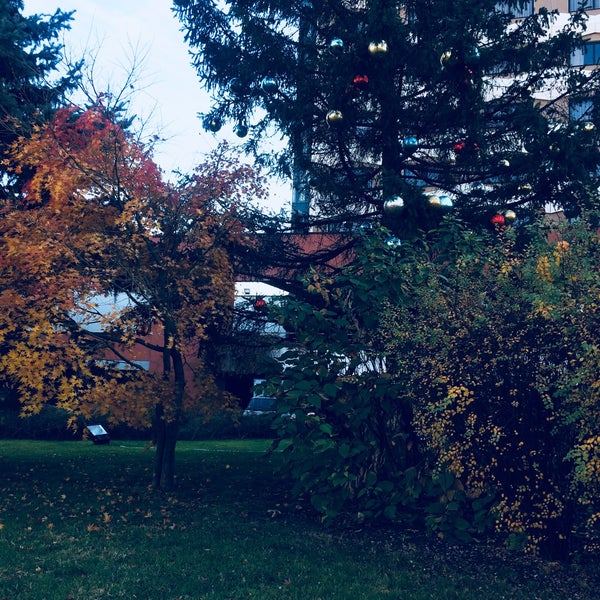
168 90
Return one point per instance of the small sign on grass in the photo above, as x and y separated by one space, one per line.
98 434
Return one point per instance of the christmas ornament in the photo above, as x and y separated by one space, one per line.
588 126
468 77
394 204
269 85
360 81
336 45
211 123
462 148
510 215
378 48
472 54
447 59
498 221
240 130
260 305
410 144
236 86
334 117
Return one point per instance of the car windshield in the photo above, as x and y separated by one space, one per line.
261 403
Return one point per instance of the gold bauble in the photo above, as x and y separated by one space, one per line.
376 48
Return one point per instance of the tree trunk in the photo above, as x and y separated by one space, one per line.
167 427
164 465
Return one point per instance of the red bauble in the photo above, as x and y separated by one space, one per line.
260 305
498 220
360 81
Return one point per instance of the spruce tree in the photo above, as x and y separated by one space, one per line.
31 88
398 110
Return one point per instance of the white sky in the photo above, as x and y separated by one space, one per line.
168 90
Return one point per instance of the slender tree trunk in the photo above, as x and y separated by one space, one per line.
164 466
166 426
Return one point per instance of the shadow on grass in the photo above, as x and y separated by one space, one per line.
80 521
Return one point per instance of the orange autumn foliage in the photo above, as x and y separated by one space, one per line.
97 220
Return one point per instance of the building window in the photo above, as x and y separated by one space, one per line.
517 10
586 4
581 110
588 54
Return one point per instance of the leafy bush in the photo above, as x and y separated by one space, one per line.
51 423
455 377
495 343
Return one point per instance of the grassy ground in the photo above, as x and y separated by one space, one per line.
78 521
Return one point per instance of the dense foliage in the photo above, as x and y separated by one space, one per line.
455 377
104 263
31 88
492 111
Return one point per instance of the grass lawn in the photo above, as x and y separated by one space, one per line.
79 521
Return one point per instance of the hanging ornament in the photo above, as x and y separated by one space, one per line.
510 215
459 147
269 85
240 130
447 59
360 81
472 54
334 117
468 77
211 123
588 126
260 305
378 48
465 149
410 144
336 46
394 204
236 86
498 221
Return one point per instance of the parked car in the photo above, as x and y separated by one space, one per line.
260 405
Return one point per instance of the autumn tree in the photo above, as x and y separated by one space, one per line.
31 87
106 259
